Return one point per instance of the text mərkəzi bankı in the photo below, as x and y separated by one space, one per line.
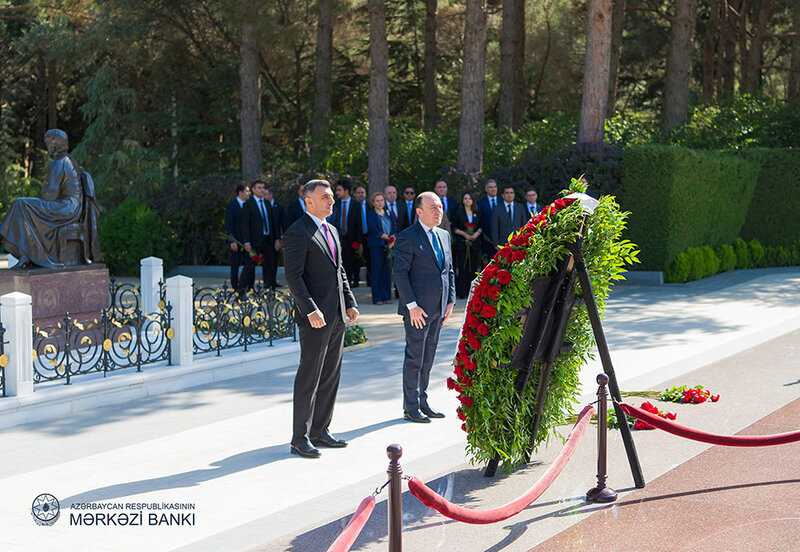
131 514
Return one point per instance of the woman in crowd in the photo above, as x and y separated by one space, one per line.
467 230
381 229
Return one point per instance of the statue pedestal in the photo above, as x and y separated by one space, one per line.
82 291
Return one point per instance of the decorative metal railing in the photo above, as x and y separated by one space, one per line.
224 320
121 337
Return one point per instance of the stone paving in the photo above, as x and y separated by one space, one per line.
223 447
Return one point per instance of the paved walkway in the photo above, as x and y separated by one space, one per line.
223 448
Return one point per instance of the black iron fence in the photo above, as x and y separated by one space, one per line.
120 337
225 320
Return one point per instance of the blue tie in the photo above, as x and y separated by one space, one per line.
364 217
264 215
436 248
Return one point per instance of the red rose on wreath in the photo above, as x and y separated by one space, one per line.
477 303
464 428
483 329
466 401
560 203
504 277
466 382
451 383
458 371
488 311
475 343
461 415
494 292
470 364
519 255
491 270
471 320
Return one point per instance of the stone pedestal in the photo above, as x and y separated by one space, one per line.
82 291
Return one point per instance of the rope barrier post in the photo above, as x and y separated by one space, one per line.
602 493
394 452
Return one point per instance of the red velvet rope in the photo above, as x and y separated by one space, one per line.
347 537
433 500
712 438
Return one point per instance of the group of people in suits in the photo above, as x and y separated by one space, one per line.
318 280
254 224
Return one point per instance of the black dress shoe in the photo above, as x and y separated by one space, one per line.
415 417
431 413
305 450
328 441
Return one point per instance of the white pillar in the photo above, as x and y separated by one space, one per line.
151 272
179 295
17 316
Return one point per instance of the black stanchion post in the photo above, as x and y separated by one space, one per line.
602 493
394 452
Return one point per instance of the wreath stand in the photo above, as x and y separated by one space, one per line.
544 328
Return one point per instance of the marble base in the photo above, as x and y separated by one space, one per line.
82 291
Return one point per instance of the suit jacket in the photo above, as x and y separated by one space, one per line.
502 226
294 212
452 205
375 230
233 220
280 215
417 274
352 230
404 221
486 210
536 207
252 224
459 222
311 271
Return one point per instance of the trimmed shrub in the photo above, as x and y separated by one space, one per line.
727 257
678 270
710 261
773 218
132 232
742 251
697 263
757 253
679 198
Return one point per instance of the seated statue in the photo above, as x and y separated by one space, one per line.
37 230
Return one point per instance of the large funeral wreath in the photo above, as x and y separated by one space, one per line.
495 422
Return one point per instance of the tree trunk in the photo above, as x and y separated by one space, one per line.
679 65
595 72
741 34
250 99
755 54
794 76
52 94
520 90
320 131
729 57
431 112
473 95
378 114
617 18
710 50
40 77
505 106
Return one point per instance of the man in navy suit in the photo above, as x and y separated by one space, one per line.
296 209
279 215
346 218
324 303
531 205
486 206
423 273
233 229
261 234
449 204
508 217
408 213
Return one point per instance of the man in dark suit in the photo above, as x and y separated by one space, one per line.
486 206
408 213
233 229
531 204
262 235
324 302
296 209
346 218
360 196
423 273
279 216
509 216
449 204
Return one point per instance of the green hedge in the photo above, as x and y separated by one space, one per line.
774 214
681 198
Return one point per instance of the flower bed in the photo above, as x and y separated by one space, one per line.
495 422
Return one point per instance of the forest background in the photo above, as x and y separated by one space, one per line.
170 103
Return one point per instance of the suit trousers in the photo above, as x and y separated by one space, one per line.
248 277
350 261
317 379
236 260
381 275
420 350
